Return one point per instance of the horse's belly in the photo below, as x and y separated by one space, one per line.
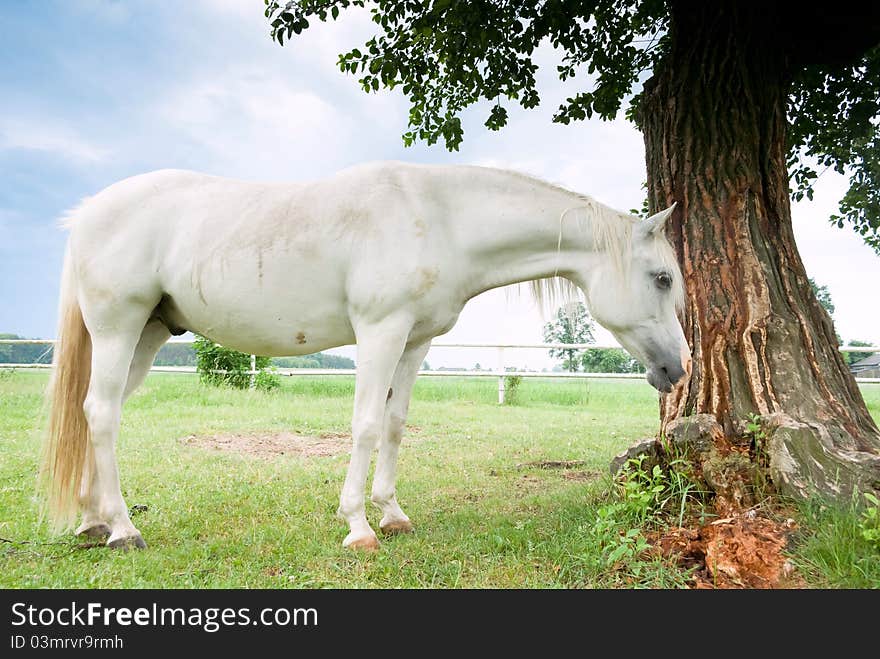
273 331
272 321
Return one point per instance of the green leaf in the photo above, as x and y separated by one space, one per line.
619 552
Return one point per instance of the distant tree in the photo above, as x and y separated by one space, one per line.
176 354
334 361
572 325
24 353
317 360
610 360
6 349
426 366
852 357
823 295
307 361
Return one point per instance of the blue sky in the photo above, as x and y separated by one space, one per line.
96 90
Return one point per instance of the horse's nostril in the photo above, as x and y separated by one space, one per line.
673 374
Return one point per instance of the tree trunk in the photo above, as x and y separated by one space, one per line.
713 118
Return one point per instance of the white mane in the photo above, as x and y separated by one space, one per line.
609 231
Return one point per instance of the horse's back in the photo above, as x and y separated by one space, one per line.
268 267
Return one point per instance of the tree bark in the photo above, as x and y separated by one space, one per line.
714 123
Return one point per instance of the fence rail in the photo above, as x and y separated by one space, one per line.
500 371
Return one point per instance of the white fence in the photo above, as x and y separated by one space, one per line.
499 371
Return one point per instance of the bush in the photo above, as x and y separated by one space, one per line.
267 380
511 389
233 367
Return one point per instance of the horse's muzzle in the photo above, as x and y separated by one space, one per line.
663 378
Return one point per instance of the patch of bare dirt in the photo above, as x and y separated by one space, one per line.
570 469
272 444
740 551
528 483
580 476
552 464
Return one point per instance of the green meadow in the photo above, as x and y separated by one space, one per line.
486 513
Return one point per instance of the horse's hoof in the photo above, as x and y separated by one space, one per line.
368 543
396 527
93 530
129 542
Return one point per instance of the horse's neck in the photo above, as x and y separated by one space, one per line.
512 229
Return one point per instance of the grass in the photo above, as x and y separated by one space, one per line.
218 520
831 550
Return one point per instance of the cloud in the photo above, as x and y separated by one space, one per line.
46 136
254 124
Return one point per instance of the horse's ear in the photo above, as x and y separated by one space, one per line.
654 223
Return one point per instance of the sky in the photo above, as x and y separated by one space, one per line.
94 91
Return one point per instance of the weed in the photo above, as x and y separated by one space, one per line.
511 389
755 431
645 499
869 522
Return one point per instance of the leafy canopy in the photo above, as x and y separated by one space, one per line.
610 360
446 55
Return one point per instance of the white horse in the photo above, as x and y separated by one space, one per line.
384 255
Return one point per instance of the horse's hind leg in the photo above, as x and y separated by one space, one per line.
153 337
115 336
394 520
379 348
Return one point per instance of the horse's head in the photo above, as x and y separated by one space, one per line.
635 295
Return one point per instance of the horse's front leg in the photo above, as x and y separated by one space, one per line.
379 348
394 520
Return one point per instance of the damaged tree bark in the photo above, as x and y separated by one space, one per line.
713 118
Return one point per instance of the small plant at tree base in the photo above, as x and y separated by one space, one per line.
643 492
755 431
511 389
618 544
642 498
218 366
869 524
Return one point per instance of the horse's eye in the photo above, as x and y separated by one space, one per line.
663 280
